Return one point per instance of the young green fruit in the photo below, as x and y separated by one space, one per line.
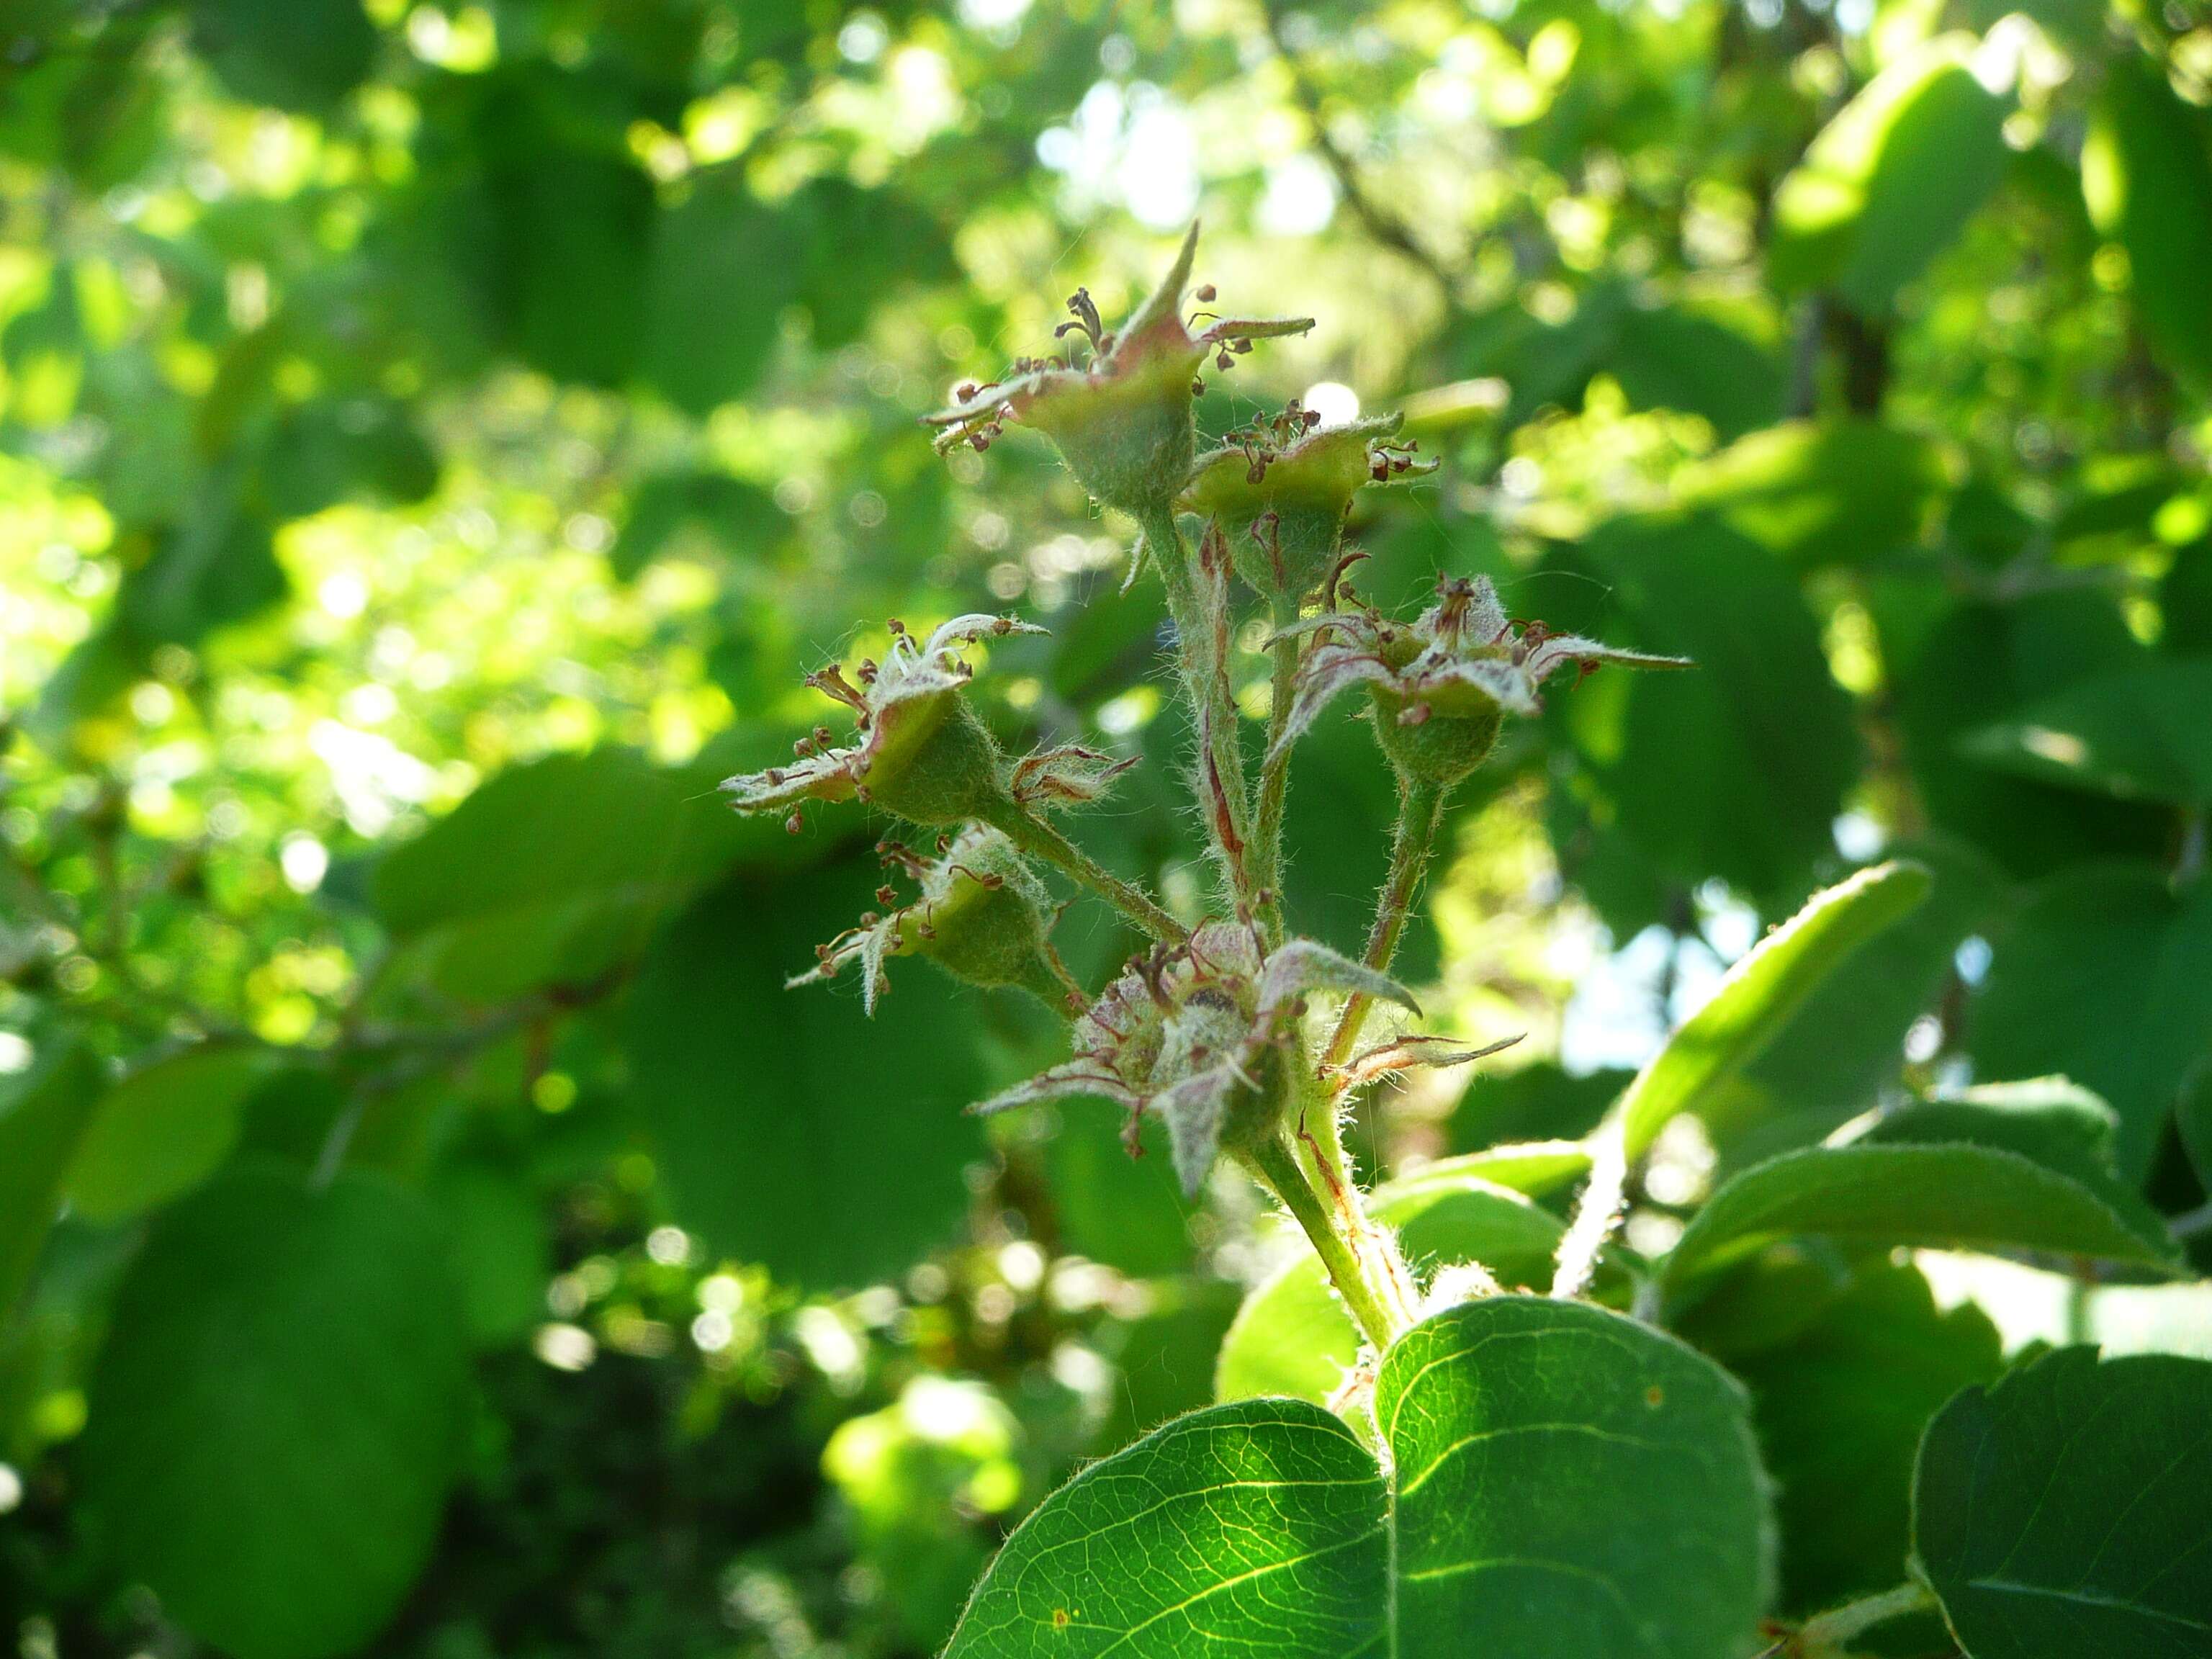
1122 421
920 752
1442 685
1200 1034
1281 487
981 915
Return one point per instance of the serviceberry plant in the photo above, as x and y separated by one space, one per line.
1461 1466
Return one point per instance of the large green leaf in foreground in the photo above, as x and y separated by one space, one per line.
277 1414
1569 1483
42 1116
1293 1337
1254 1528
2066 1510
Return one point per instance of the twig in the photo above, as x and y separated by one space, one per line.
1381 224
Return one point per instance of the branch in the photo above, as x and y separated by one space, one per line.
1381 224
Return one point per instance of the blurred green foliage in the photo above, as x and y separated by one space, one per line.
433 441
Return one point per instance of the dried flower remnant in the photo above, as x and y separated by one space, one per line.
981 914
1201 1035
1121 418
920 752
1442 684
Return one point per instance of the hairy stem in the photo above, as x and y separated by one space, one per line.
1040 840
1410 849
1334 1223
1829 1632
1201 654
1275 778
1597 1212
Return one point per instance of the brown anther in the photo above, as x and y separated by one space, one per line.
1223 361
1240 347
887 893
1204 295
794 823
1197 386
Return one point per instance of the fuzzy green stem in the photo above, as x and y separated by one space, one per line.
1040 840
1213 708
1370 1297
1275 777
1419 814
1829 1632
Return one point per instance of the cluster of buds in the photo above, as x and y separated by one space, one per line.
1441 685
1206 1030
1121 420
1286 485
1201 1035
981 914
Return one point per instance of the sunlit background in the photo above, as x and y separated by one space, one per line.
435 442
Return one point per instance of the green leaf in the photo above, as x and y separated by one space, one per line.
2146 175
43 1113
497 1239
1254 1527
2106 978
1538 1099
2140 735
520 886
1840 1406
723 267
1761 992
2044 1539
303 55
2185 600
1890 180
216 566
1670 751
792 1130
1821 493
1536 1169
1954 667
338 448
1523 1432
1163 1357
1673 356
1293 1337
1968 1175
554 221
1514 1425
277 1413
667 510
1845 1044
2047 1120
1128 1212
163 1130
